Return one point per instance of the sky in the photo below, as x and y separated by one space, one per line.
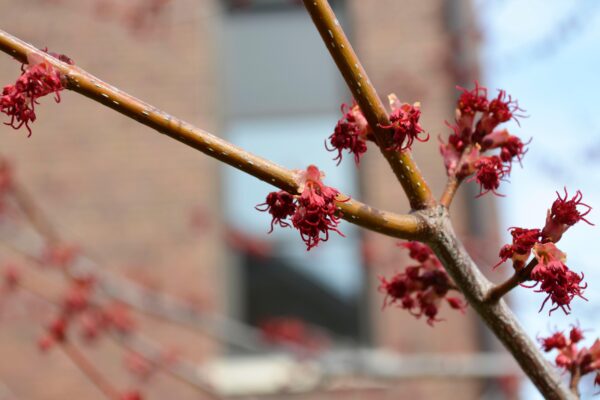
546 54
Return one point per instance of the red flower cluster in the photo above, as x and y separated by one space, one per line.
351 133
520 249
563 215
551 273
420 288
489 172
470 138
570 358
18 101
404 123
280 205
314 212
555 278
92 320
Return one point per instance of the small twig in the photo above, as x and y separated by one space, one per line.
574 381
450 191
497 292
404 167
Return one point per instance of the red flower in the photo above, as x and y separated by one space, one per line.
490 171
56 333
78 295
350 133
520 249
564 214
421 288
501 109
576 334
18 101
472 101
316 212
469 103
404 123
418 251
510 146
555 278
556 341
280 205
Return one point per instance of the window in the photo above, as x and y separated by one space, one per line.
282 97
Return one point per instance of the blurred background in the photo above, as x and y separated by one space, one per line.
176 233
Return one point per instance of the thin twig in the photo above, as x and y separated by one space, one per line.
404 167
450 191
575 378
520 276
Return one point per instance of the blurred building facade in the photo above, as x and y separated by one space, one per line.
151 209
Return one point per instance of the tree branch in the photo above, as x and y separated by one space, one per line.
497 316
404 167
78 80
